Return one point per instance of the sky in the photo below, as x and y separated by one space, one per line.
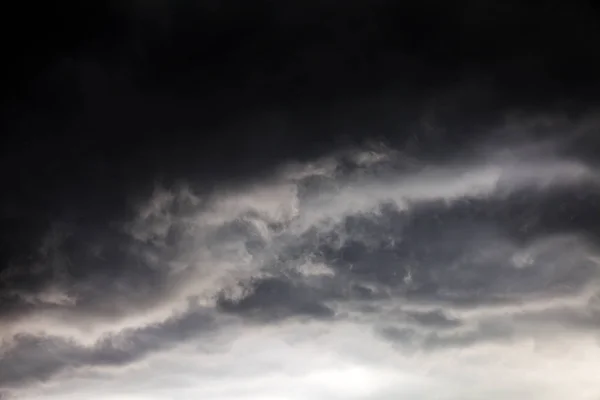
319 200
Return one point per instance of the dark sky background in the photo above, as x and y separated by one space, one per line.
101 98
190 105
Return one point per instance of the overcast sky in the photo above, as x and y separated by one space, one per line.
318 200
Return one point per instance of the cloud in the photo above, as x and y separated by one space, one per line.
256 201
473 253
39 358
274 298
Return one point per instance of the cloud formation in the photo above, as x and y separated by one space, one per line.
378 267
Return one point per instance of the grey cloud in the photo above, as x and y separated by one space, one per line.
435 319
484 332
463 257
273 298
413 340
457 244
442 257
33 359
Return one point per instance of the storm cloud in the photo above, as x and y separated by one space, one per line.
495 249
225 200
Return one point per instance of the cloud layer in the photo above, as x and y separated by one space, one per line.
362 274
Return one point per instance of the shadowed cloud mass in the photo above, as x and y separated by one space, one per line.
476 254
232 200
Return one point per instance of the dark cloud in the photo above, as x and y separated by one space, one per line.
435 319
425 171
454 256
467 246
273 298
33 359
413 340
126 91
